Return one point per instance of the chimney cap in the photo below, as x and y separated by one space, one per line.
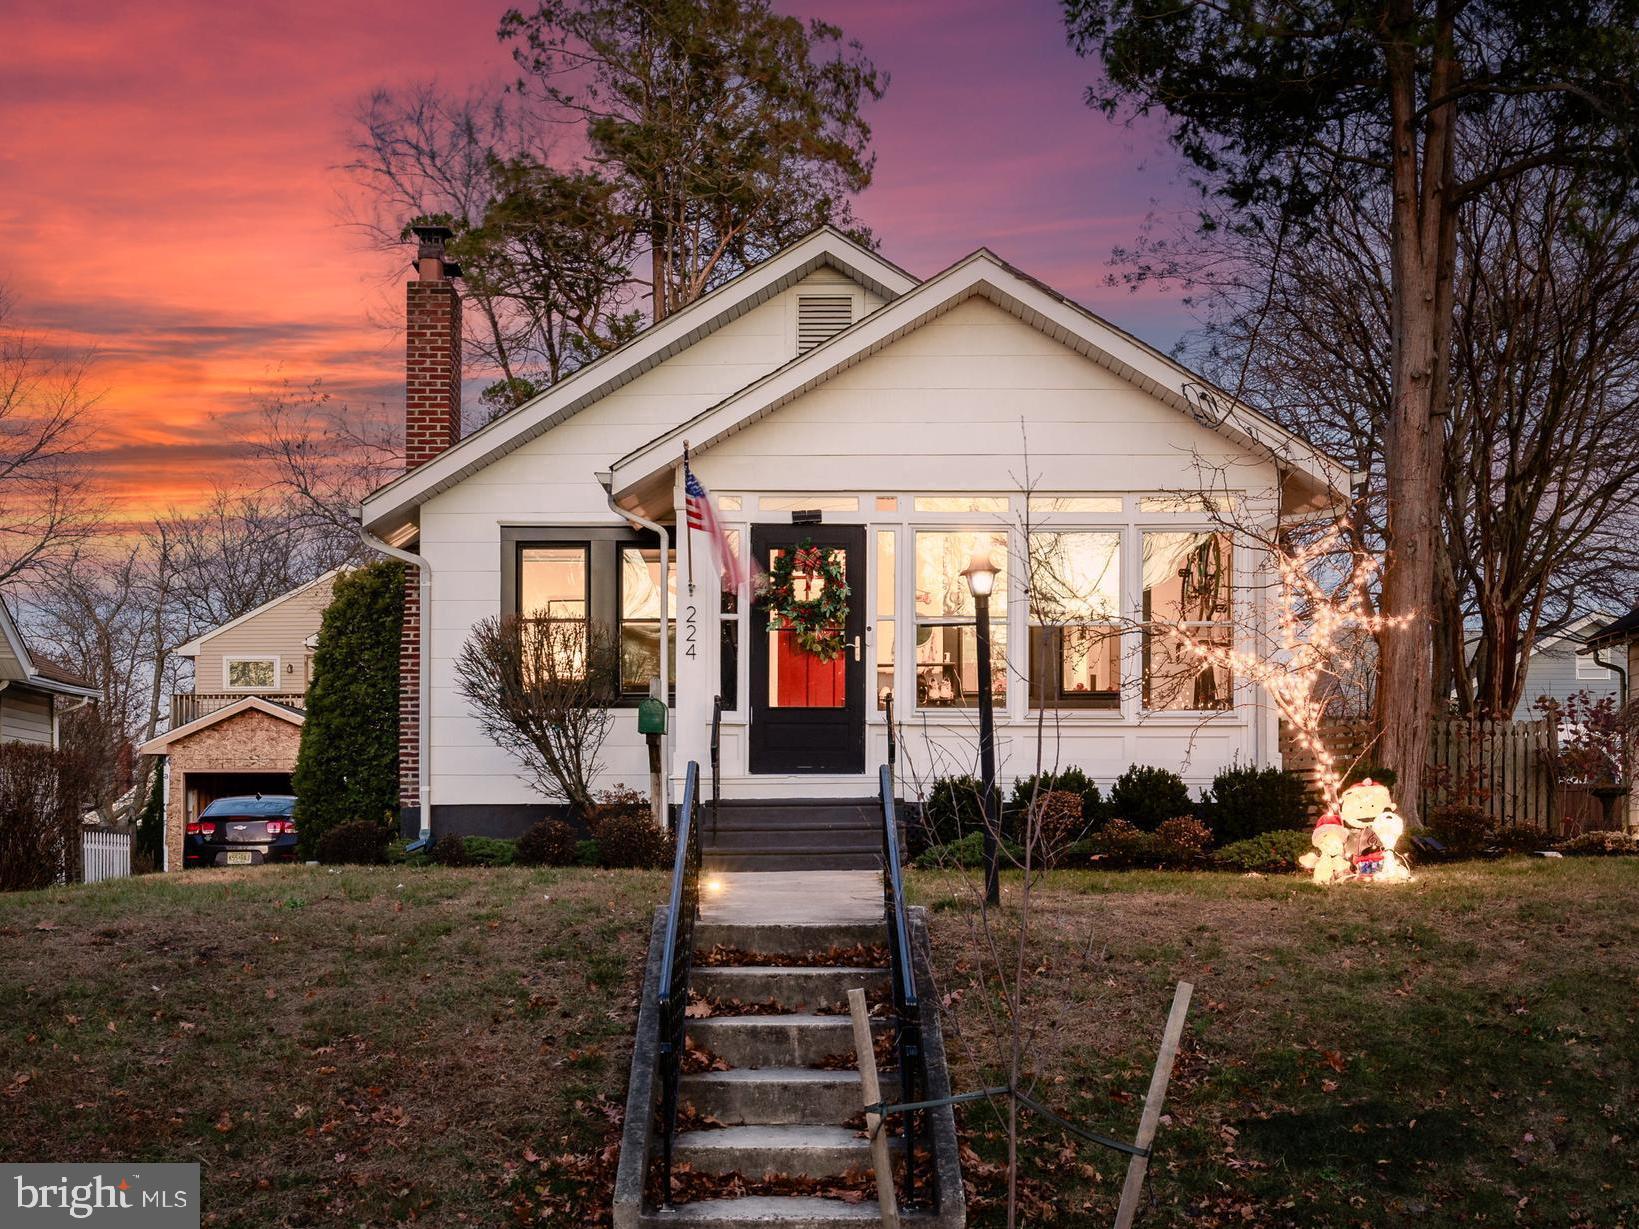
434 232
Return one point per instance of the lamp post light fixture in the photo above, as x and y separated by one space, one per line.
981 582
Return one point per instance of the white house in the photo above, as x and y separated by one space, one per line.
35 691
828 398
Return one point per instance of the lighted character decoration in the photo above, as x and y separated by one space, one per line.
1327 860
1374 828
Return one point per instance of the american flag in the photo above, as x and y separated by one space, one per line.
702 516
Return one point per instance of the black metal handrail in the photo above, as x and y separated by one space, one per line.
676 962
913 1074
716 760
893 735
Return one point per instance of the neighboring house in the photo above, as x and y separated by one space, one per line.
1560 667
829 397
1617 645
239 730
35 692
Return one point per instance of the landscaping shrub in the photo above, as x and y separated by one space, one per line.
359 842
620 803
347 767
1145 796
586 853
489 851
1268 853
1121 844
1245 801
449 850
39 816
1061 823
548 843
633 841
148 845
1185 840
1601 845
1463 828
1072 780
968 852
951 811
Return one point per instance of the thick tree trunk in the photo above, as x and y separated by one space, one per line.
1422 236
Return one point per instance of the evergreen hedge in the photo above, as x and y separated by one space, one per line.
347 768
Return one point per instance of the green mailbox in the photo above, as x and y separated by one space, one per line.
651 716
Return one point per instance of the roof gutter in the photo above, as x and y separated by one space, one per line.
423 773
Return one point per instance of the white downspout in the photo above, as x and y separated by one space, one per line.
423 776
606 480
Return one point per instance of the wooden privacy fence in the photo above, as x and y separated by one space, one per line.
1503 767
104 854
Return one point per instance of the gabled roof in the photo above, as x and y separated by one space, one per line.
985 274
41 672
1619 631
191 648
1576 633
390 507
157 744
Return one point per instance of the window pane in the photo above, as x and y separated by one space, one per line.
640 653
884 662
1186 576
887 503
728 683
885 574
961 503
640 583
809 503
1075 577
552 582
947 665
1177 679
255 672
728 503
941 558
1175 503
1075 667
730 600
1075 503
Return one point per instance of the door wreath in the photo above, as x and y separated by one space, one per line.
816 620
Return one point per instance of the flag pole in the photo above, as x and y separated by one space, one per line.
688 532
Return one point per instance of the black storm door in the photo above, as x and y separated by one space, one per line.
807 713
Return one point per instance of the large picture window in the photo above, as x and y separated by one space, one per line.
1074 605
553 583
947 637
1187 578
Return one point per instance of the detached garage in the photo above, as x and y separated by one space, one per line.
247 747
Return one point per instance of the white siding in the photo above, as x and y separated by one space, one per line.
25 717
551 480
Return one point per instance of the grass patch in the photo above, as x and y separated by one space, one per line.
361 1046
1461 1050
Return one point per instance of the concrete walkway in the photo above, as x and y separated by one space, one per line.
800 898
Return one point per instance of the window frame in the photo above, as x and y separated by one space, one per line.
253 689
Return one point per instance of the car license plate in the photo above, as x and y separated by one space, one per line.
239 857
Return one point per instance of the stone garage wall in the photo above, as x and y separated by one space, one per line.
251 741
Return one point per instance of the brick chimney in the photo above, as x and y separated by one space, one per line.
432 355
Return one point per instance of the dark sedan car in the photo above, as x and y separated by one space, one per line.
242 832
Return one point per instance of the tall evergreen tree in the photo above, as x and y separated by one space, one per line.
347 768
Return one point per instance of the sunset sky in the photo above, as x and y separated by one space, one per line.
170 197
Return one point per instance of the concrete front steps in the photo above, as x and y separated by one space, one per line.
776 1111
788 835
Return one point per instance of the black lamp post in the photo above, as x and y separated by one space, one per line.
981 580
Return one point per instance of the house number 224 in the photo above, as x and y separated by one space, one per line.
689 631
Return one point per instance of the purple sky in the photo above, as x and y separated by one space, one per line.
168 191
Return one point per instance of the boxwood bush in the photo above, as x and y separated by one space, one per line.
1145 796
1269 853
1245 801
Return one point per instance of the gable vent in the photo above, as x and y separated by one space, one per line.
821 317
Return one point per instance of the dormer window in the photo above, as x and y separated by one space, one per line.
821 317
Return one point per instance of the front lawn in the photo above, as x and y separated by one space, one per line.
354 1047
393 1046
1458 1051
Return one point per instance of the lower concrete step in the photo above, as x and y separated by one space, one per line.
774 1096
793 988
782 858
760 1151
773 1041
766 1211
787 939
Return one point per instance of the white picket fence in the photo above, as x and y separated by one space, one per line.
104 855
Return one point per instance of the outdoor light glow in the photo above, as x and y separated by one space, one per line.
1314 622
714 886
981 574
